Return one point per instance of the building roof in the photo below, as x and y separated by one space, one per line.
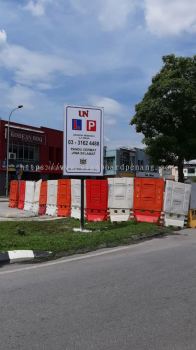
190 162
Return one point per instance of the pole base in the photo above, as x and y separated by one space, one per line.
81 230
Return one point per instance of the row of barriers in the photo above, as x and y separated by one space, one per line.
118 199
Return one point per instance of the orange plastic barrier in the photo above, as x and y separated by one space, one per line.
192 218
148 199
64 197
13 198
147 216
43 198
96 200
21 199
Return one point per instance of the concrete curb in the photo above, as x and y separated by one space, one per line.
14 256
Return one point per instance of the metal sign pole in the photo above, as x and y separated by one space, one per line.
82 205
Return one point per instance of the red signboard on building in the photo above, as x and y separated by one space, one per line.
27 137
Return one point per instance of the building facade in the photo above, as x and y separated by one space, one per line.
126 162
34 153
190 170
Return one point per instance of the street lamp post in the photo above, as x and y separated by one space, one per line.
8 144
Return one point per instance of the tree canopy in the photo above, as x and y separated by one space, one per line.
167 113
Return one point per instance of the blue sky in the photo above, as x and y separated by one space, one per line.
88 52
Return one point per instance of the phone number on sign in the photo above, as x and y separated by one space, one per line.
84 143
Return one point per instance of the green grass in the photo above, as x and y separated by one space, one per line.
58 235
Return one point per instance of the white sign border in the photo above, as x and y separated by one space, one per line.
82 173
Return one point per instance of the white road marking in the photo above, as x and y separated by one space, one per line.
77 258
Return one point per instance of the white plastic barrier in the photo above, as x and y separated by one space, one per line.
120 201
76 198
29 195
51 205
175 220
36 197
176 203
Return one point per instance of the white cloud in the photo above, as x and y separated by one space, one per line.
31 67
3 37
111 14
111 106
38 108
22 95
118 132
170 17
14 95
37 7
127 141
113 110
114 14
110 121
106 139
80 6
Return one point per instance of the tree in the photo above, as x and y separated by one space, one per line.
167 113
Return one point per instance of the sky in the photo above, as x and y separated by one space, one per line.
90 53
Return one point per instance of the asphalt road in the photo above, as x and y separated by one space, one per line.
138 297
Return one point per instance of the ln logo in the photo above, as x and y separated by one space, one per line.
83 114
91 125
